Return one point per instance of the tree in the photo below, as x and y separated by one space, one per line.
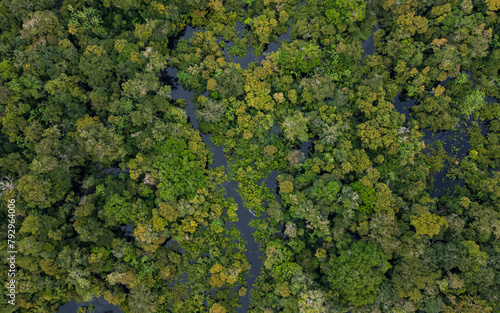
212 112
466 304
366 195
262 28
41 192
357 272
428 224
97 67
472 103
295 127
141 85
312 301
465 256
298 56
181 171
344 12
41 26
493 5
100 142
87 19
217 308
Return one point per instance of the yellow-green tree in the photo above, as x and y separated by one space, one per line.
428 224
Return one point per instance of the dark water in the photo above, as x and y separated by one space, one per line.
250 57
185 34
115 171
253 253
455 142
306 147
128 230
368 45
403 105
178 92
271 182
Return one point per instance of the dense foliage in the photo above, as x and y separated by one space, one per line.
115 191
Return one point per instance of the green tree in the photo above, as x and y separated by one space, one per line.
344 12
466 304
366 195
295 127
181 171
357 272
100 142
472 103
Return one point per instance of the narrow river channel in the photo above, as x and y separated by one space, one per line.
253 253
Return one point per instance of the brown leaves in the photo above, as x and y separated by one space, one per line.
270 150
439 42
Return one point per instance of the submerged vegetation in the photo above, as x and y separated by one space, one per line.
93 142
